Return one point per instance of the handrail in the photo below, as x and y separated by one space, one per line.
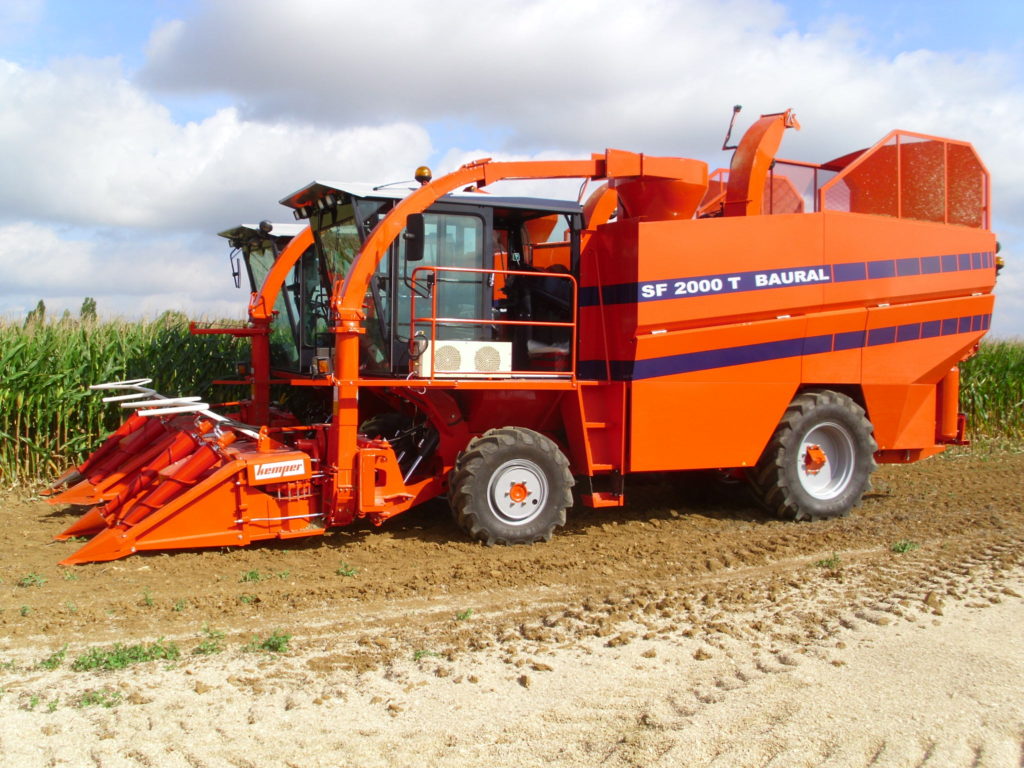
433 321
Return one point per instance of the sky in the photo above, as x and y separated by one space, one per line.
132 131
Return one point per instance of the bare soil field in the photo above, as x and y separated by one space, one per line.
686 629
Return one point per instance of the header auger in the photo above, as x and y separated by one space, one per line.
792 323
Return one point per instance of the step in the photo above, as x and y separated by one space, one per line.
600 499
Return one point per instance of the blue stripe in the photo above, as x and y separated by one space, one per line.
816 345
632 370
905 267
741 282
879 336
880 269
910 332
844 273
848 340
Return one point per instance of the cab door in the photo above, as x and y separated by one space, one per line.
458 238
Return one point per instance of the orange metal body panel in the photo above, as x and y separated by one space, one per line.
837 366
799 301
854 239
702 425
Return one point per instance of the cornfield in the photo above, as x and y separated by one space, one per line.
49 419
992 390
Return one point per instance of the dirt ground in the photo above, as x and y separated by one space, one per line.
686 629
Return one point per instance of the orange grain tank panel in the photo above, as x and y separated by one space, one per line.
722 389
903 415
832 348
918 343
906 261
703 424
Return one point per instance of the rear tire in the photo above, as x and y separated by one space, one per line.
818 463
510 486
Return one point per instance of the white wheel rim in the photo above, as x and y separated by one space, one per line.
517 491
825 461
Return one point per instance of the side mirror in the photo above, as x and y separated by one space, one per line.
414 237
236 266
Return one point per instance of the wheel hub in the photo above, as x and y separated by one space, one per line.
814 459
825 461
517 491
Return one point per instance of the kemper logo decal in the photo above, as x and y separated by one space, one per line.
276 470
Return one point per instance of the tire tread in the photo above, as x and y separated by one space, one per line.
768 480
475 457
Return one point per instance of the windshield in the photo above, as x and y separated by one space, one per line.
258 260
340 244
299 331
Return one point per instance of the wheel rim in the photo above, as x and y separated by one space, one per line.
517 491
825 461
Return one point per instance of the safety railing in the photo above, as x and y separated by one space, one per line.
500 346
791 187
913 176
905 175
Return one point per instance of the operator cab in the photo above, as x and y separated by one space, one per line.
257 246
299 325
447 280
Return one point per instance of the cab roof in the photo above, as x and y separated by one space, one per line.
307 197
246 231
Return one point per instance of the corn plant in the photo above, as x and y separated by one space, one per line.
49 419
992 390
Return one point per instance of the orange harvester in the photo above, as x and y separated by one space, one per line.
791 323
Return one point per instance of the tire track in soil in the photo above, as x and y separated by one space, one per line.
876 606
708 580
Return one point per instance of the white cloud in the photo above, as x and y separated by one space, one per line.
129 273
338 90
82 145
103 194
644 69
1008 319
652 76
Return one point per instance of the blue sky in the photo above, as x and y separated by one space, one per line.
133 131
891 27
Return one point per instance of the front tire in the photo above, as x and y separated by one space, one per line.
818 463
510 486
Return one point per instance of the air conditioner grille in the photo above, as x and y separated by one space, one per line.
455 358
447 358
487 359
